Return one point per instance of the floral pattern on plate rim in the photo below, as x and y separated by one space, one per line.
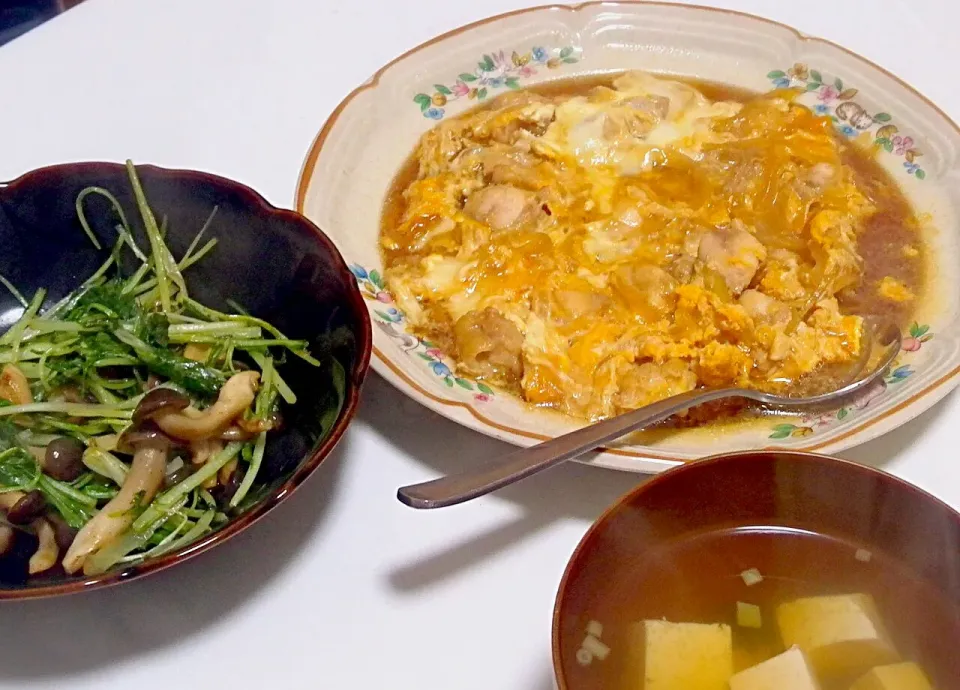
852 120
835 99
389 317
899 372
494 71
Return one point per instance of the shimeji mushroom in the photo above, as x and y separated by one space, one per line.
203 450
177 418
8 499
26 508
14 386
22 509
151 449
45 557
63 459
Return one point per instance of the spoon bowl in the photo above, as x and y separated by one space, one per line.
880 346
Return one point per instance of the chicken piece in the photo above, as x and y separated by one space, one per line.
647 290
539 113
683 265
531 119
489 345
439 146
628 122
658 106
576 308
499 206
781 276
509 166
765 309
835 247
734 254
642 384
821 175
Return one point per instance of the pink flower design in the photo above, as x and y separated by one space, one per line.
499 59
481 397
911 344
869 396
435 353
384 297
902 144
828 93
527 71
460 88
821 420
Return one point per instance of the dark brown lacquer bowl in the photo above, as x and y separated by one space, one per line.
676 548
276 263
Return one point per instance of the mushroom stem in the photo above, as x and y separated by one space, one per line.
107 442
235 433
45 557
6 538
141 484
201 451
226 472
192 424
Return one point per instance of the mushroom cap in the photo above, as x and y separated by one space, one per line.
161 398
63 458
27 508
63 532
146 433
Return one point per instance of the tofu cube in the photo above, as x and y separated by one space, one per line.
787 671
749 615
840 635
692 656
905 676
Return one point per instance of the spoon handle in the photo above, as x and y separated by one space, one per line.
464 486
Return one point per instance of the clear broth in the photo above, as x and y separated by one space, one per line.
698 579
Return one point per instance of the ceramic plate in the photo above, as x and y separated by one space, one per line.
353 159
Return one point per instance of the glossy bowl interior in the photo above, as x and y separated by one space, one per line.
790 493
275 263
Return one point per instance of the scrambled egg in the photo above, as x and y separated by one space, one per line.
894 289
596 253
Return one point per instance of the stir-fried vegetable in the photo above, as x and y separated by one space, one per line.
132 416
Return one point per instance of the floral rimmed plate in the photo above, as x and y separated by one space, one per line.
355 156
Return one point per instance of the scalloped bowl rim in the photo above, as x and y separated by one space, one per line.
306 467
399 371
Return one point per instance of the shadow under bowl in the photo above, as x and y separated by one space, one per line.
676 546
276 264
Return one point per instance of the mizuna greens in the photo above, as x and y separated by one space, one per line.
133 419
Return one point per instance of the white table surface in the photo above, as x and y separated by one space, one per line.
343 587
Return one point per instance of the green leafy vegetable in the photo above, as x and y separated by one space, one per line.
93 355
195 377
19 470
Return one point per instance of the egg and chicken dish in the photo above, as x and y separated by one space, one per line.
601 246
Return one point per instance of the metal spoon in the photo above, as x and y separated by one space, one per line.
465 486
